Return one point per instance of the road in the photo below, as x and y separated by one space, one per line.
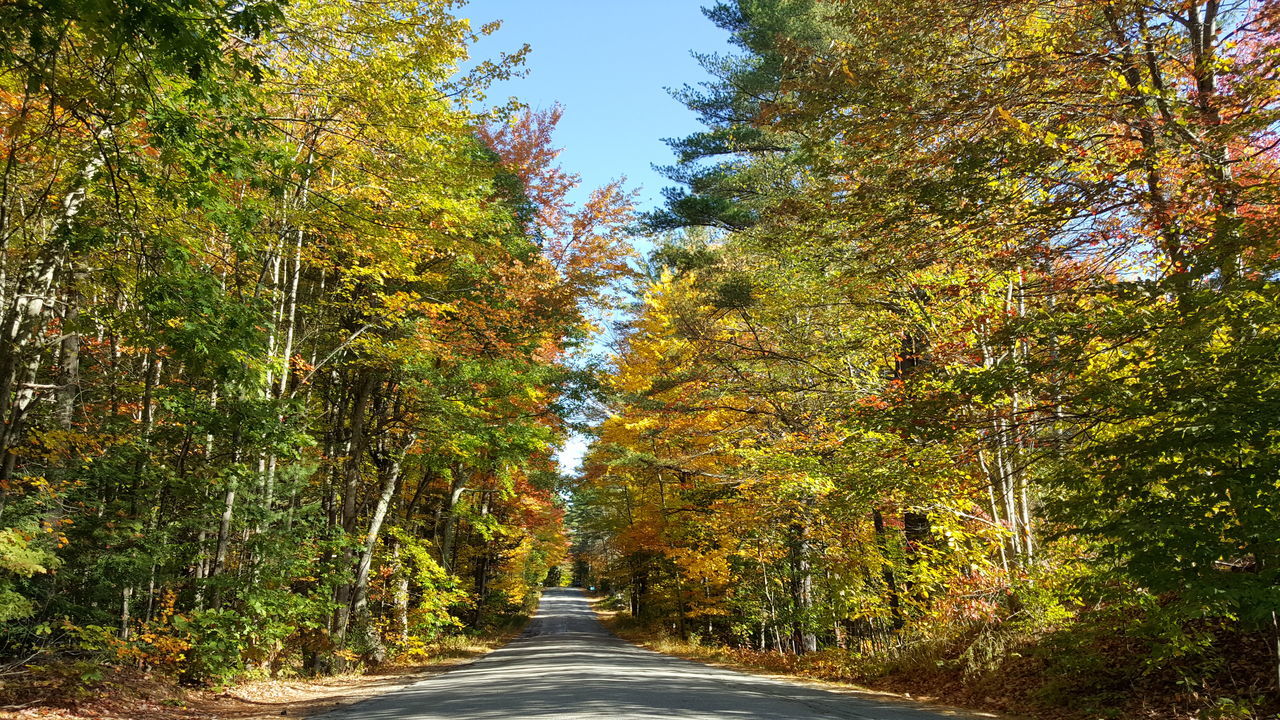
568 666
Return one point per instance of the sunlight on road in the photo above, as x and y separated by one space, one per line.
566 665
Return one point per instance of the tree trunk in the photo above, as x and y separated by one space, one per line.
886 571
376 653
449 533
69 353
803 638
356 446
28 313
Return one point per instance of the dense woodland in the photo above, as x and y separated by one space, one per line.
960 357
286 309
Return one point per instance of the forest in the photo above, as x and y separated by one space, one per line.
957 362
950 363
286 310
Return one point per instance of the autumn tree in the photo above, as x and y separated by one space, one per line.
990 283
287 360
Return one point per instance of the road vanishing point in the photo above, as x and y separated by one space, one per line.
567 666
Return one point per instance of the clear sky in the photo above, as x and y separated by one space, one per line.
608 62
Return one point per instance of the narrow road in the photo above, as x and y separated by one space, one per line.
568 666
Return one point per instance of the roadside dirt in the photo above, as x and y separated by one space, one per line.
709 656
140 696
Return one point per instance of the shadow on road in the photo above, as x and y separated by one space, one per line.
567 665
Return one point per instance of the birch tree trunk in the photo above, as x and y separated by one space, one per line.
30 308
375 651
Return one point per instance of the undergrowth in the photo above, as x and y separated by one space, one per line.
1119 662
83 676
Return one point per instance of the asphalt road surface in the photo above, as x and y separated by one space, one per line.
568 666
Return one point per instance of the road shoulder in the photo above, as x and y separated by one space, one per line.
140 695
906 701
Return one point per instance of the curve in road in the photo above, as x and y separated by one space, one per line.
567 666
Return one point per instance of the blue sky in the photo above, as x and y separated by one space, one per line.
608 62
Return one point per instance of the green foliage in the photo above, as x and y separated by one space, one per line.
439 591
22 555
270 292
1175 479
217 638
202 325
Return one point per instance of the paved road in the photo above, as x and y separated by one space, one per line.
567 666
